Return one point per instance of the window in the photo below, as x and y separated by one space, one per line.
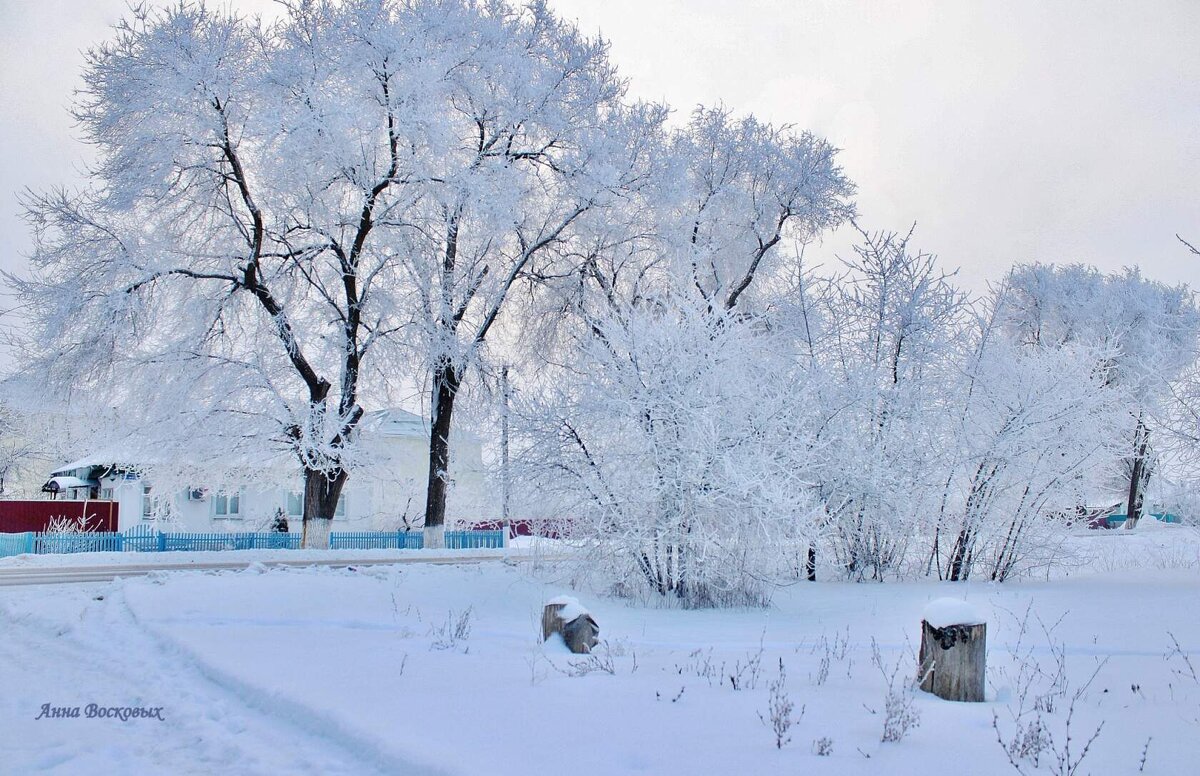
106 494
227 504
295 505
147 503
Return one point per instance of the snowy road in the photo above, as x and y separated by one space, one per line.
73 573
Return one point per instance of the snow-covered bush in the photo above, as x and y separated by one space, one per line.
883 360
1034 438
62 525
665 416
680 471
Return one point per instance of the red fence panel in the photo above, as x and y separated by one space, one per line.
35 515
549 529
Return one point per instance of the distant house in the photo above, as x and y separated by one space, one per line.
387 493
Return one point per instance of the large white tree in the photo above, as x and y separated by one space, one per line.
283 218
539 151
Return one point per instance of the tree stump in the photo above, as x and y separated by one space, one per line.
566 617
953 659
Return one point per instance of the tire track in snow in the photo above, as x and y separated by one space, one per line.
312 721
201 732
213 724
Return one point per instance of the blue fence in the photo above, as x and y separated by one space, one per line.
15 544
143 539
58 543
376 540
1115 520
474 540
414 540
191 542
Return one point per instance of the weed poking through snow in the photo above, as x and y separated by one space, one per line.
900 713
780 709
455 630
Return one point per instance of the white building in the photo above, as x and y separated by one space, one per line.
385 494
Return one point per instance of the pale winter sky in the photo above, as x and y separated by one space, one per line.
1009 131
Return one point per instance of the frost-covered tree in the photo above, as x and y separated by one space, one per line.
537 147
283 218
1147 330
18 450
745 195
893 325
680 452
1032 438
664 416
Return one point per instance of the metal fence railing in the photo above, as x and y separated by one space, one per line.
142 539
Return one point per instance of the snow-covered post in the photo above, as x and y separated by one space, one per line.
568 618
953 658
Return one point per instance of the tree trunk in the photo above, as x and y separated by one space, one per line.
958 570
1139 473
321 494
445 389
810 565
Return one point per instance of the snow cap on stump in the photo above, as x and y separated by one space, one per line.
569 608
952 663
943 612
568 618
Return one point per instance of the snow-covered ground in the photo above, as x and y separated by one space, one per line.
382 669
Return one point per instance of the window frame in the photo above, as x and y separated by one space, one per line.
235 498
298 498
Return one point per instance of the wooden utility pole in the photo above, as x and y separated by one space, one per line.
505 486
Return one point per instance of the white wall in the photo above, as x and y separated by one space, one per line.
377 497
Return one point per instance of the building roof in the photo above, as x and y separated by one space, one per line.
65 483
394 422
102 458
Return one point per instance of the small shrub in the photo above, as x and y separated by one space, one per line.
456 629
601 660
780 709
900 713
745 675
